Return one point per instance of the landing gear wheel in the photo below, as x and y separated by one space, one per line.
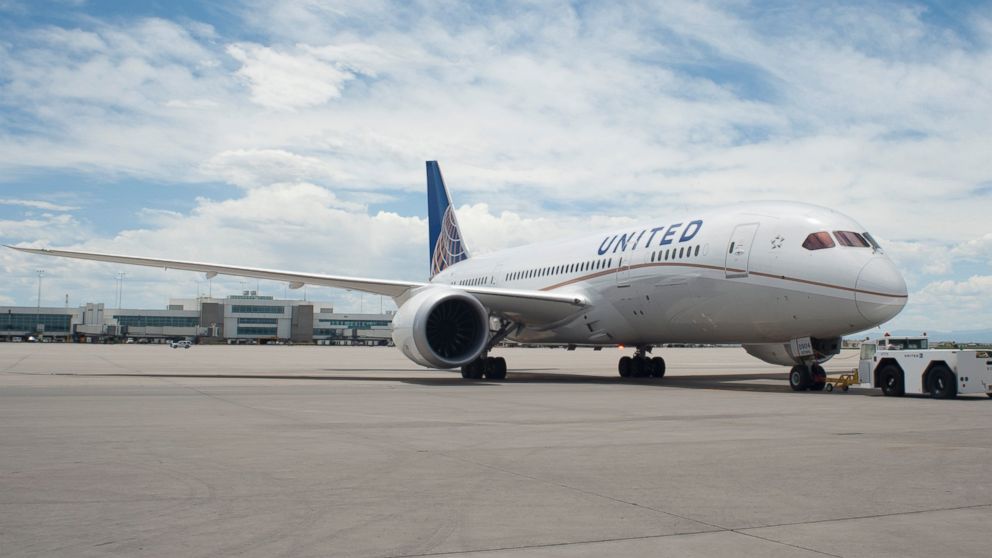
495 368
942 383
474 370
637 367
657 367
818 378
890 378
799 379
624 367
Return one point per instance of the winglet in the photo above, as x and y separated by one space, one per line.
446 245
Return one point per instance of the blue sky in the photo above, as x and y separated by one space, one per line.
293 134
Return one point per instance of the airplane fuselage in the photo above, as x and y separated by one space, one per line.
736 275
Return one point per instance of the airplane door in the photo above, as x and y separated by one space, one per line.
623 273
739 250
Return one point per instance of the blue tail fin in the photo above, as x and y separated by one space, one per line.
446 244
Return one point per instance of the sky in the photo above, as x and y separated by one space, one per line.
293 134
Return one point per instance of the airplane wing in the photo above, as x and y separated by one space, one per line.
524 306
529 307
375 286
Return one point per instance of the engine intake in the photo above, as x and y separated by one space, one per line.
441 328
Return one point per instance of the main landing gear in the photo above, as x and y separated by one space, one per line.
804 377
641 365
490 368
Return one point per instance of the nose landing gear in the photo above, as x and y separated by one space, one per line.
804 377
641 365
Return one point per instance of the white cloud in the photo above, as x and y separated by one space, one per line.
44 229
287 80
251 168
37 204
951 305
976 248
486 231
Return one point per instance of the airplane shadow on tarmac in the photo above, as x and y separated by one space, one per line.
756 382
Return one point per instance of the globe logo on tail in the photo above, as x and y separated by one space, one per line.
449 248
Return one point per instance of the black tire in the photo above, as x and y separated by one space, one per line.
623 366
890 379
830 387
657 367
488 368
799 378
474 370
818 378
941 383
496 368
637 368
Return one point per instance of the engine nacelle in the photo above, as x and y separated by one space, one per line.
781 353
441 328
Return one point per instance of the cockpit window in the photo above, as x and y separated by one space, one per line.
853 239
818 241
874 243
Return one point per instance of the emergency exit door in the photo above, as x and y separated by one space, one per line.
739 250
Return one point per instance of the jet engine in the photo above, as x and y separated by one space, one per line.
781 353
441 328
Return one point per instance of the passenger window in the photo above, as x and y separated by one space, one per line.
818 241
680 252
852 239
697 251
731 248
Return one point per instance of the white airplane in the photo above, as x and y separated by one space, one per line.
785 280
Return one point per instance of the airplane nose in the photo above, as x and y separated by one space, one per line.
880 290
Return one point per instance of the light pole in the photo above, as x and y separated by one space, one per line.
38 325
120 290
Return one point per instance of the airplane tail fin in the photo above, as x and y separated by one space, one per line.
446 245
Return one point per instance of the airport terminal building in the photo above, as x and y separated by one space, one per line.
244 318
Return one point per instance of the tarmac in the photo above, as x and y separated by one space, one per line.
137 450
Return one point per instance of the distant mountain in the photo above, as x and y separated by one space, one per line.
958 336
